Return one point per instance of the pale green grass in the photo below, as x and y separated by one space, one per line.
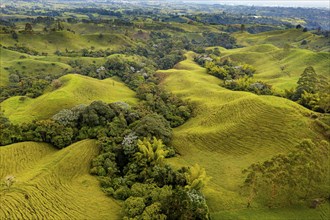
321 213
230 131
52 184
30 65
53 41
6 57
76 89
268 59
280 38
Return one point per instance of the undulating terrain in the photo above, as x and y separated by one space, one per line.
83 88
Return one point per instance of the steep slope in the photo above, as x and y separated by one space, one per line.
230 131
76 89
52 184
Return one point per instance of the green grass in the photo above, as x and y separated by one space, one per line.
280 38
321 213
230 131
268 59
6 57
30 65
76 89
53 41
52 184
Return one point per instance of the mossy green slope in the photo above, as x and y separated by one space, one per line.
76 89
28 65
268 60
52 184
279 38
230 131
52 41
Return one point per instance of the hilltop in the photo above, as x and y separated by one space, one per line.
52 184
230 131
76 90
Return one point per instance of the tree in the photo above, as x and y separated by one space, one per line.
133 207
196 178
56 83
14 35
59 25
302 174
154 125
150 153
28 27
242 28
307 82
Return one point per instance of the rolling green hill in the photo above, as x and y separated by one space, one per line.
52 184
268 60
76 89
230 131
279 38
50 42
28 65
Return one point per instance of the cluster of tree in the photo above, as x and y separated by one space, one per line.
250 85
136 172
84 53
140 77
23 83
21 48
312 91
314 17
298 177
225 68
251 28
164 49
131 163
304 29
237 77
81 122
219 39
99 11
234 18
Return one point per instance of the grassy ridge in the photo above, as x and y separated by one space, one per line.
76 89
52 184
230 131
279 38
268 60
53 41
30 65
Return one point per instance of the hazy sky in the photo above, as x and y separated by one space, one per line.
295 3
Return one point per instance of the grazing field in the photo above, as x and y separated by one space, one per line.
62 41
52 184
76 89
293 37
269 59
230 131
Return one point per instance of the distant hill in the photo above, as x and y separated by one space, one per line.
76 89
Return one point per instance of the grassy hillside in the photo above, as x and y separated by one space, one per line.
29 65
293 37
268 60
76 89
52 41
230 131
52 184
